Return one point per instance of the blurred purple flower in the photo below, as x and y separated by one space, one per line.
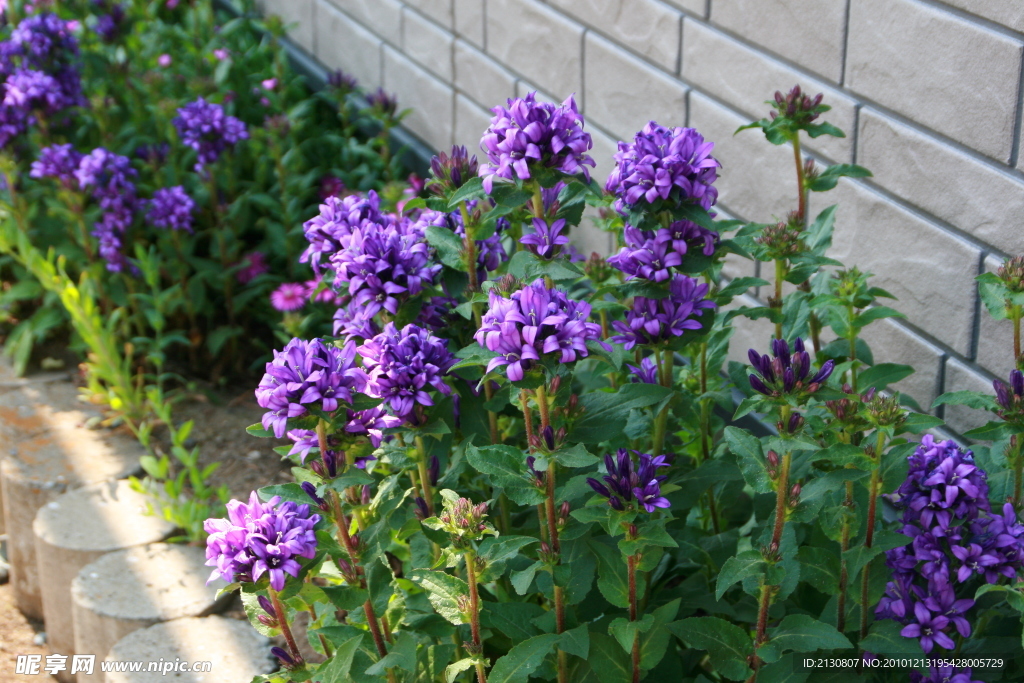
171 209
652 321
205 127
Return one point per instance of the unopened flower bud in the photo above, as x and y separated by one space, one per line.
365 497
265 604
616 503
508 284
433 470
310 490
549 438
318 468
282 656
556 384
267 620
563 512
1012 274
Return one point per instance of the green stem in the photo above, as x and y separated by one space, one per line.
802 210
469 244
286 630
844 576
1016 334
1018 470
852 341
474 615
869 534
421 466
631 562
664 361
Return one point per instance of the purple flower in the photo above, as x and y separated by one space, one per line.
255 265
110 178
534 321
291 296
546 239
652 321
305 373
784 372
450 172
527 132
351 323
205 127
651 255
1011 397
929 628
401 365
664 164
331 229
645 373
57 161
260 538
627 481
108 26
383 102
33 91
171 209
371 422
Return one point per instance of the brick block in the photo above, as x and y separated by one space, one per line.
623 93
481 78
431 100
757 180
544 46
383 17
298 12
954 76
961 377
647 27
954 186
929 271
807 32
428 44
745 78
995 337
1009 13
438 10
524 88
697 7
342 43
471 120
469 21
893 343
603 151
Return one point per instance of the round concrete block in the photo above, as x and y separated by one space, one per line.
131 589
235 651
78 528
42 465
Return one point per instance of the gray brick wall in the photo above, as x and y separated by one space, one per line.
928 91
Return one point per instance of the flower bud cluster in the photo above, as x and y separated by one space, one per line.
784 372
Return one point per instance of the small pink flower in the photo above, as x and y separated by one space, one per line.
171 4
291 296
255 265
164 60
327 296
74 25
221 54
269 84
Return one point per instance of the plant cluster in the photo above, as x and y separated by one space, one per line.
157 160
531 465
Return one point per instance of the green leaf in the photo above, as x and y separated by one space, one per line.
453 670
288 492
607 412
727 645
820 568
575 456
258 430
608 661
819 129
625 631
402 654
882 375
444 591
337 670
750 459
990 431
739 285
737 568
915 423
885 637
875 313
654 641
522 579
612 578
803 633
471 189
496 549
448 246
651 533
576 641
971 399
506 467
522 660
818 235
514 619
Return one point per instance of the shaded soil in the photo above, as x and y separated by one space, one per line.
16 638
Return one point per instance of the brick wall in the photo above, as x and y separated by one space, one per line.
928 92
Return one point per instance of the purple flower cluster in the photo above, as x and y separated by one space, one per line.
401 365
664 164
1011 397
39 68
652 321
547 239
955 538
370 423
109 25
350 323
944 674
171 209
109 176
57 161
305 373
260 538
785 372
527 132
645 373
205 127
384 263
534 321
651 255
628 481
330 230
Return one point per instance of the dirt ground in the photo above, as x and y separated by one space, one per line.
247 463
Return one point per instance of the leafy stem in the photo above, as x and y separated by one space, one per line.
631 562
286 630
474 614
